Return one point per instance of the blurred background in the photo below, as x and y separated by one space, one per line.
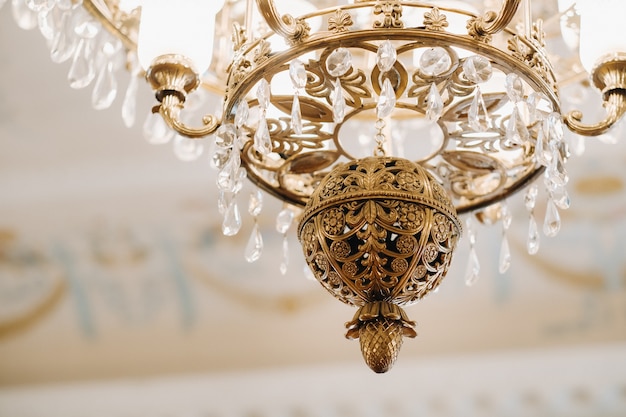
120 297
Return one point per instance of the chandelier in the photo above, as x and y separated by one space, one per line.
377 123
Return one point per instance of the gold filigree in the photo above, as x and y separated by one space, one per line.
262 52
391 12
340 22
435 20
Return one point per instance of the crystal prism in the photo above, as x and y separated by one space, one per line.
242 114
516 131
553 127
224 200
386 56
263 94
477 69
225 136
284 263
40 5
543 155
296 115
284 219
262 140
219 158
339 103
505 255
47 21
473 268
187 149
255 203
506 216
561 197
227 177
232 220
552 222
530 198
556 169
155 130
532 244
514 87
386 101
339 62
105 88
129 105
477 116
297 73
434 106
64 41
85 25
82 70
435 61
254 248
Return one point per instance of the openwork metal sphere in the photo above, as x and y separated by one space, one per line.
379 233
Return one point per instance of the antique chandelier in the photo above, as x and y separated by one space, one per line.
377 123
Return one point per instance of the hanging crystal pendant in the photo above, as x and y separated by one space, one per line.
254 248
129 105
542 149
434 106
477 69
187 149
255 203
386 101
64 42
242 114
339 103
225 136
227 177
105 88
514 87
24 17
516 131
561 197
339 62
297 73
262 140
48 23
505 255
284 220
435 61
552 222
556 169
530 198
224 200
232 220
296 115
263 94
284 263
386 56
477 116
472 271
532 244
155 129
82 70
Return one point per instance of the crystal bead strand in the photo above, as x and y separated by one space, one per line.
339 62
530 200
477 69
473 265
254 248
505 251
298 76
283 223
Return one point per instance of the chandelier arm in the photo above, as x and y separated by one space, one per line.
286 25
170 111
615 105
492 22
109 23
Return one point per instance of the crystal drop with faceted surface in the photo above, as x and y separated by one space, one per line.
516 131
155 130
232 220
223 201
284 219
82 70
284 262
514 87
386 100
296 115
187 149
262 140
255 203
505 255
85 25
129 105
472 270
561 197
477 115
542 150
297 73
471 231
219 157
435 61
532 244
40 5
530 198
48 23
104 89
477 69
64 41
227 177
24 17
552 222
242 114
254 248
263 94
434 104
553 126
386 56
339 103
339 62
556 169
225 136
506 216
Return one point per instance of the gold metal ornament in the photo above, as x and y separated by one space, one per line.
379 233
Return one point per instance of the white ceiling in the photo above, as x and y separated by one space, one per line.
70 175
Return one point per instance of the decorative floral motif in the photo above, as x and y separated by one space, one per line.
333 221
409 181
308 239
441 229
435 21
321 262
420 272
340 22
392 12
340 249
399 265
406 244
411 216
349 268
430 252
334 280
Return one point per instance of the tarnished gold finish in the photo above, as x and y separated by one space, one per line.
609 76
378 233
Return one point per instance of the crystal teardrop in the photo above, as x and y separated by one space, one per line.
516 131
48 23
232 220
553 126
262 140
254 248
543 155
478 118
219 157
255 203
24 17
187 149
296 115
386 100
434 104
339 103
263 94
129 105
155 130
284 263
284 220
561 197
225 136
552 222
64 42
472 270
514 87
242 114
530 198
386 56
505 255
105 88
297 73
224 200
339 62
227 177
556 169
532 244
82 70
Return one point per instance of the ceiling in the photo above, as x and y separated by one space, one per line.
113 265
